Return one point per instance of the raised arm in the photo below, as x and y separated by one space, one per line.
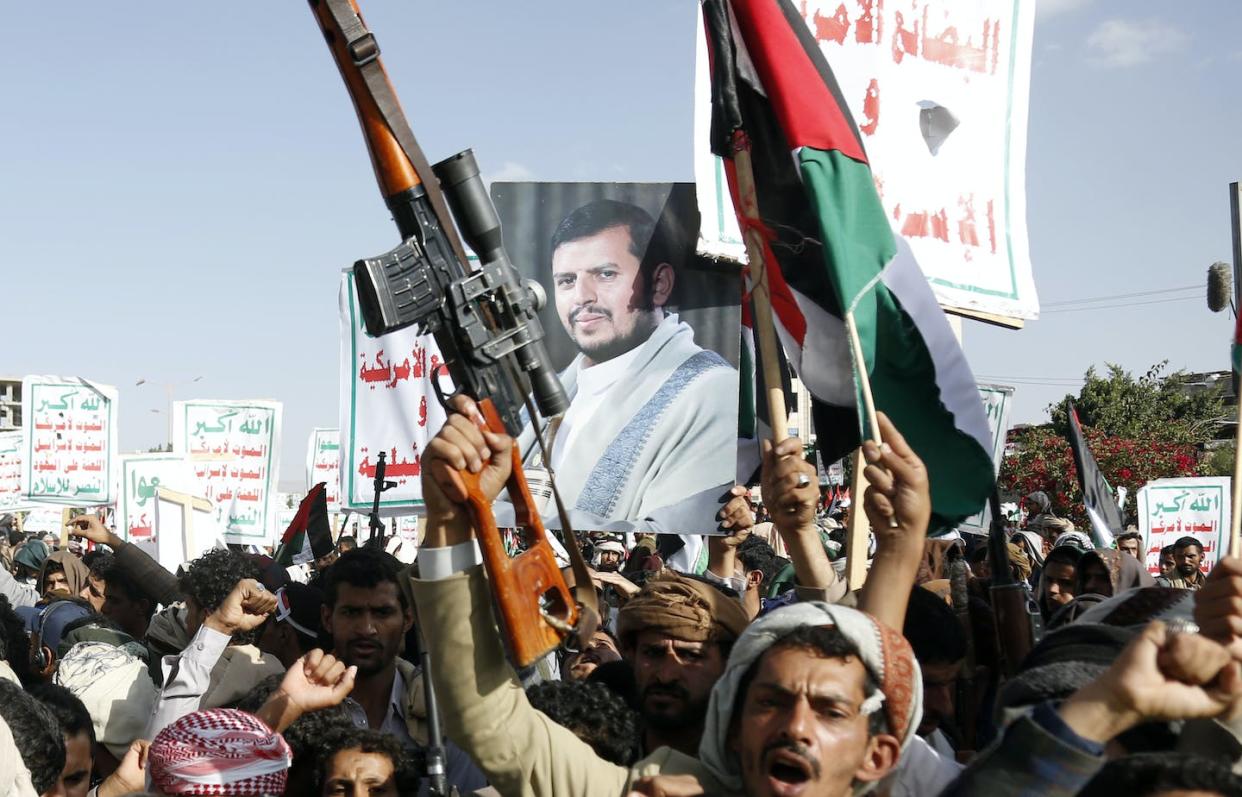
484 708
898 505
791 492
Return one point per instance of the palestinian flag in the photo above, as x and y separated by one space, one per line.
1097 495
309 536
829 248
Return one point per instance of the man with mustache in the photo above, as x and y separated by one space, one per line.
367 616
651 430
676 633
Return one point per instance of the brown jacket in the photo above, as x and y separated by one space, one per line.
486 712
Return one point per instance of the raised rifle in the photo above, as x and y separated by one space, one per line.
376 539
484 321
1018 624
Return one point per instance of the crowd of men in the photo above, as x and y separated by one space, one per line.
755 672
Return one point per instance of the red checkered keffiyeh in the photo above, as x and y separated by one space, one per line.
219 751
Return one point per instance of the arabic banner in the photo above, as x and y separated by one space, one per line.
939 90
142 475
645 337
69 428
997 400
234 451
11 494
1192 507
323 464
387 405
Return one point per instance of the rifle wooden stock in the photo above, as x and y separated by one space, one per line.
536 608
392 168
1013 626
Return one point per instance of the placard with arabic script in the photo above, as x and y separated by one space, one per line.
234 451
11 497
387 405
70 436
323 464
141 476
1198 507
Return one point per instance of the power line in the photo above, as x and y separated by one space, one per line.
1033 378
1122 305
1122 296
1031 381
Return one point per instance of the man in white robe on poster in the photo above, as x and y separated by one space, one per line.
649 440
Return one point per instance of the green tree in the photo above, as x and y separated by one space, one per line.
1155 407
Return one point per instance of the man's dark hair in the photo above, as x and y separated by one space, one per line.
16 537
96 561
1168 550
362 567
1186 542
405 767
14 641
826 642
346 539
70 712
756 554
594 714
1130 535
118 579
1065 554
932 629
211 577
1150 774
650 242
36 734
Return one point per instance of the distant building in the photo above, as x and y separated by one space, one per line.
1216 380
10 403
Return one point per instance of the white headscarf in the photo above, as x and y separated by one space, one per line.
115 687
884 652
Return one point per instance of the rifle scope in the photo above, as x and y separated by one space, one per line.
480 227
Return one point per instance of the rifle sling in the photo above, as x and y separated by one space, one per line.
584 587
365 51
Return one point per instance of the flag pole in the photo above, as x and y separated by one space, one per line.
864 379
760 290
1235 509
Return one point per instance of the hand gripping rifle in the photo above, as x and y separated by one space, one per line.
483 320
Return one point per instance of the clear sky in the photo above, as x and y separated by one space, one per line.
179 188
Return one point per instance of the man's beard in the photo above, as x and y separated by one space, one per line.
1187 570
691 715
603 351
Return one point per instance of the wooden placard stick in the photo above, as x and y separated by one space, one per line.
857 528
